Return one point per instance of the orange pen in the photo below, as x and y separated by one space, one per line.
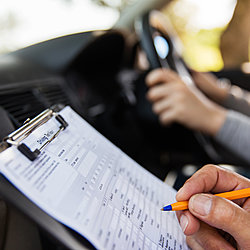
232 195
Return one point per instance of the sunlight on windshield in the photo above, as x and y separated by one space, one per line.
206 14
200 23
24 22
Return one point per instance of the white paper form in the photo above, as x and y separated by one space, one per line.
84 181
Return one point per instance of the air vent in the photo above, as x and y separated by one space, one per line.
54 94
27 100
21 105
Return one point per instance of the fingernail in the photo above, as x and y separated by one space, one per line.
201 204
180 191
183 222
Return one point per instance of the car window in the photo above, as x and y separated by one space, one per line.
25 22
200 25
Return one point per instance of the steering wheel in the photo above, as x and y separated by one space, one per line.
160 45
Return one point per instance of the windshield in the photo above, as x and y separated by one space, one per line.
25 22
200 26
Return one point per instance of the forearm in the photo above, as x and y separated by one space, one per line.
238 100
235 134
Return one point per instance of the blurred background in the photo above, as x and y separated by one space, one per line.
215 33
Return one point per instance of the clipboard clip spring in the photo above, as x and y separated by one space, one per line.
17 136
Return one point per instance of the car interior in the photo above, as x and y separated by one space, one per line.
101 75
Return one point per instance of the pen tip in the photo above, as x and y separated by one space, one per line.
167 208
162 209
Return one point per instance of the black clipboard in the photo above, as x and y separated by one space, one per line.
62 235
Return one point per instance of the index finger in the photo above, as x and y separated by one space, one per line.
212 179
161 75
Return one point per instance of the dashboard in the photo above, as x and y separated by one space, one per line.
100 74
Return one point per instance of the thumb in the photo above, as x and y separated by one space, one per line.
222 214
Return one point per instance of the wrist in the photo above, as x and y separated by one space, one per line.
214 120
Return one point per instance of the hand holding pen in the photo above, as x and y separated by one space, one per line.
213 222
231 195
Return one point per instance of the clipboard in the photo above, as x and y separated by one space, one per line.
63 236
88 184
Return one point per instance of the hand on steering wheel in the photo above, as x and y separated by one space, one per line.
174 101
161 53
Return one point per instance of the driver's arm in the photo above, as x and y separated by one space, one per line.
229 96
174 101
235 134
